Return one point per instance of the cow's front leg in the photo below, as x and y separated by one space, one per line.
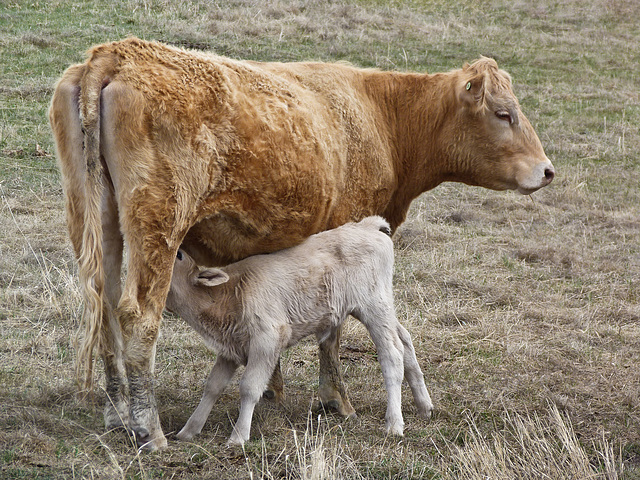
331 384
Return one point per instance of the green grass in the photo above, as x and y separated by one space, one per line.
524 311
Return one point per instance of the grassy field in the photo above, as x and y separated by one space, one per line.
525 311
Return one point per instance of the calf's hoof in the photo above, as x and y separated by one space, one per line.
426 413
235 441
395 428
184 435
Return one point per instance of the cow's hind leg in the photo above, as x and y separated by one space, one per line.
139 312
65 122
154 224
275 389
150 265
116 411
331 389
140 334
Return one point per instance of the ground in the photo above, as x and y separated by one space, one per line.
524 310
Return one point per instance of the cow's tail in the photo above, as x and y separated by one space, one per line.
91 271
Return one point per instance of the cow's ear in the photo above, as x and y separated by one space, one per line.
471 89
210 277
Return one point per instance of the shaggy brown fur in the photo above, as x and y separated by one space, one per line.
232 158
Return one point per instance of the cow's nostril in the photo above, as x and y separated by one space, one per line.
549 173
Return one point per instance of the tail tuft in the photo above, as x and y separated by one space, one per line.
90 259
378 223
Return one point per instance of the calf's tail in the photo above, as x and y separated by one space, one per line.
377 223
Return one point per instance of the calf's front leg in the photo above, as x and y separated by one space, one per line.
218 379
262 359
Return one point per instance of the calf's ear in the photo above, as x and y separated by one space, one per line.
210 277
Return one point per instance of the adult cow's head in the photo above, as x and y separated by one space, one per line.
494 142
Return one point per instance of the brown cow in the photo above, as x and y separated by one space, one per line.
161 147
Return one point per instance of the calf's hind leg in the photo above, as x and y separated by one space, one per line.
397 360
414 375
390 356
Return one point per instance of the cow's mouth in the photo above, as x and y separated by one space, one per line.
528 191
548 174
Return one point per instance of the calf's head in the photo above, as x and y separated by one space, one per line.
494 143
188 279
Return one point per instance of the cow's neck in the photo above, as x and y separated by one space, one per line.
416 106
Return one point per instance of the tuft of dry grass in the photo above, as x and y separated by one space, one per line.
525 311
530 448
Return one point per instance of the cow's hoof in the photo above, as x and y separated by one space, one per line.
343 408
336 406
116 416
273 396
146 441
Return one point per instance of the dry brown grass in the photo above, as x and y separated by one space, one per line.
525 312
531 448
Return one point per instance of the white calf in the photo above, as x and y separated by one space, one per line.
252 310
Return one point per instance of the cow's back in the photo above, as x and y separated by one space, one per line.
268 154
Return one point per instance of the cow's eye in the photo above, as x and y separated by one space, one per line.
504 115
179 255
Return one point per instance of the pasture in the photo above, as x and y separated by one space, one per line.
524 311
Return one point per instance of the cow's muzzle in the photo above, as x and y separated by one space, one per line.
541 176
